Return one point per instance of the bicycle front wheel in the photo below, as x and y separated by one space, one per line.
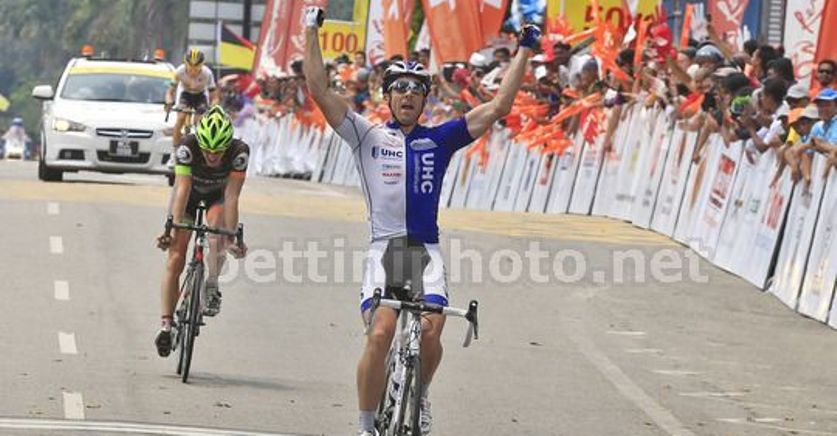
190 330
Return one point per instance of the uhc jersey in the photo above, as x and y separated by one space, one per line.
401 175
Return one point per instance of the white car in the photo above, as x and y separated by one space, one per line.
106 115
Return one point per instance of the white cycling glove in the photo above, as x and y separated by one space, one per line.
314 16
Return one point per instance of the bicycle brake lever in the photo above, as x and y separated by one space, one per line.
239 234
169 224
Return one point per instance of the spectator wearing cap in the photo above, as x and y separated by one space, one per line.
798 156
826 77
797 96
823 136
562 53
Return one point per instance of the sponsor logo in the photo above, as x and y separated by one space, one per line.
240 161
183 155
426 170
391 174
423 144
386 153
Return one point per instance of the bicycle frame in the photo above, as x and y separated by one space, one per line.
405 350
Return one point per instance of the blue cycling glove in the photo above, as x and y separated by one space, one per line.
529 36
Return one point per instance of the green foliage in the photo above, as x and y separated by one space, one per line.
38 37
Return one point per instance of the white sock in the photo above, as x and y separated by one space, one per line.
367 420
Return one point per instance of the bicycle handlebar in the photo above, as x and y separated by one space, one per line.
419 307
170 109
238 233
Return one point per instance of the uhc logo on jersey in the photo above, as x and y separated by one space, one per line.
425 171
423 144
386 153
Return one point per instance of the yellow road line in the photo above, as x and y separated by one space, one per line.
351 209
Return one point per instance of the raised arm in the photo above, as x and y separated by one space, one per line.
333 106
480 118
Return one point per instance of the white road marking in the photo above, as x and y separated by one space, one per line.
73 405
62 290
56 245
630 390
625 333
67 343
644 351
53 208
712 394
122 427
754 423
675 372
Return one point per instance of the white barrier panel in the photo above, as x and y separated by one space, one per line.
543 183
650 174
449 180
815 296
531 167
823 260
628 163
510 182
587 176
768 228
496 168
480 176
796 242
325 153
700 178
673 185
564 177
711 216
462 181
343 165
605 199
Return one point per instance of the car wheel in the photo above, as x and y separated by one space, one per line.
46 173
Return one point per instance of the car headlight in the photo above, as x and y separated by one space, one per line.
62 125
168 131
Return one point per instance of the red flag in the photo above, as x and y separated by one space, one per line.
396 27
454 28
727 16
282 37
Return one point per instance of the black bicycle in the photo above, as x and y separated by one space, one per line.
189 317
403 380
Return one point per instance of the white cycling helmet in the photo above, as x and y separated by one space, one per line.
409 69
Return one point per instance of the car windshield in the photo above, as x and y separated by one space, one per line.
130 88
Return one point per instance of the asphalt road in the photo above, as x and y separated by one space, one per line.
593 352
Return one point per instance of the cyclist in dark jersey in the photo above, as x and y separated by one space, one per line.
210 166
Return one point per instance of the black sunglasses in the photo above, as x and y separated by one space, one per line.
825 71
404 86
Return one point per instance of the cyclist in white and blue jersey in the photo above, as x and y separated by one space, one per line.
401 165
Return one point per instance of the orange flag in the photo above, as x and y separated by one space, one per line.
492 13
397 17
454 28
826 48
687 25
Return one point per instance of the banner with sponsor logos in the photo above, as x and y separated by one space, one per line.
511 180
755 265
449 181
543 183
579 14
802 27
587 176
698 187
629 163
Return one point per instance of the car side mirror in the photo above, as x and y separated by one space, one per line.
43 92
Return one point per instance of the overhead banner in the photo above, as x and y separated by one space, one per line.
579 14
802 28
492 13
282 37
454 28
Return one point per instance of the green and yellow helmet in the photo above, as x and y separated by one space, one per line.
215 130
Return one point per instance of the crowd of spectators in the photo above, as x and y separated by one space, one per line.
710 85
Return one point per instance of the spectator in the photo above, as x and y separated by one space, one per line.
826 77
781 68
360 59
797 96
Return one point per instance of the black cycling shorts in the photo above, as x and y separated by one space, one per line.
195 197
198 102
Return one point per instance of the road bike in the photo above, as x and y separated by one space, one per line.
402 396
188 317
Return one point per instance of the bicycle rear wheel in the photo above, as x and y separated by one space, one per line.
190 329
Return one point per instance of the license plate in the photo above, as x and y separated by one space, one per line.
124 148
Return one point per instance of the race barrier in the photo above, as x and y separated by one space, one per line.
724 201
